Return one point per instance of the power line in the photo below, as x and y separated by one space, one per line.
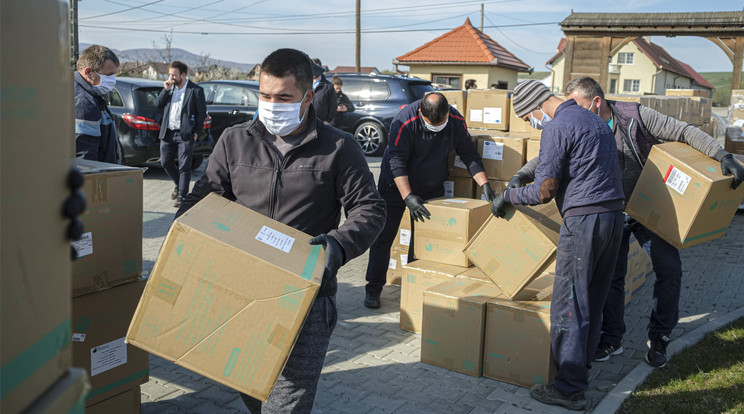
123 11
512 40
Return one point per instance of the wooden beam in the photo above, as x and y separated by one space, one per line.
604 64
737 61
568 63
618 43
727 45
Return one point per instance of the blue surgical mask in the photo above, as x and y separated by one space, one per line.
107 84
539 124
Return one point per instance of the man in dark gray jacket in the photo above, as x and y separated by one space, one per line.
637 128
290 167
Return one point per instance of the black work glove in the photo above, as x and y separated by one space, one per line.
334 253
498 205
730 166
416 206
515 182
488 192
73 206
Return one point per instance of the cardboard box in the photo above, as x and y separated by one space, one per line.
444 236
395 272
496 185
474 273
110 251
403 237
682 196
502 157
535 134
734 141
128 402
420 276
638 270
457 99
488 109
533 149
454 317
459 187
514 250
67 395
100 322
516 124
517 346
687 92
204 311
37 143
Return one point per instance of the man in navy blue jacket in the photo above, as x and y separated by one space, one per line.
414 168
580 169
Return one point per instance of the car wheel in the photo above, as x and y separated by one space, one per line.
196 161
371 137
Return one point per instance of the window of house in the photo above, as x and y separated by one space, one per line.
454 81
625 58
631 85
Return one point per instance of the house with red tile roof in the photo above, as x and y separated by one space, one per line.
639 67
462 54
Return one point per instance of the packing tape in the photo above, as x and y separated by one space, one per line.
279 337
99 188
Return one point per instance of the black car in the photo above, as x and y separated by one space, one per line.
377 99
230 102
137 120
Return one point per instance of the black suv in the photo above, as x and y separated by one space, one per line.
230 102
377 99
137 120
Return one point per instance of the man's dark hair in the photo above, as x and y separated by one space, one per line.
470 84
284 62
434 106
587 87
336 80
317 61
177 64
95 56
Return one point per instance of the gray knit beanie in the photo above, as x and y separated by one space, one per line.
528 95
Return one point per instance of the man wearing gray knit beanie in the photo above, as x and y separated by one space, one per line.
579 167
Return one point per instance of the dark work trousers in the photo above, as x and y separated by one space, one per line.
587 251
175 157
295 389
667 266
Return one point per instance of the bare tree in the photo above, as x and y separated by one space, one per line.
164 53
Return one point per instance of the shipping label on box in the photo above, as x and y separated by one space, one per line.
488 109
100 322
517 348
226 302
515 249
110 251
682 196
443 237
502 156
396 271
421 275
454 316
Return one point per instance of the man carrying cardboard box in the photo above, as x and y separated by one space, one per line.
414 168
581 171
291 167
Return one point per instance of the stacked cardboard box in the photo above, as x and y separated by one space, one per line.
736 110
638 271
734 141
399 250
488 109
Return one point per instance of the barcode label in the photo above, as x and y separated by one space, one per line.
677 180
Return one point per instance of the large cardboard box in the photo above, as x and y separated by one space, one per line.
533 149
457 99
37 143
638 271
459 187
395 272
228 295
497 186
734 141
682 196
516 124
420 276
443 237
128 402
100 322
403 237
67 395
515 249
454 317
488 109
502 156
517 346
110 251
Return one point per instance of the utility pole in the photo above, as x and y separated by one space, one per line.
358 36
482 12
74 45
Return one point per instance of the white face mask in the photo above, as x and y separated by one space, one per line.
107 83
280 118
539 123
436 128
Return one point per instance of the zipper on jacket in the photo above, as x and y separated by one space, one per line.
629 143
276 182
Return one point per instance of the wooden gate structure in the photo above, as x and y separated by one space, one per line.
593 38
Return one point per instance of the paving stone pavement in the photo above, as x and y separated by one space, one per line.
372 366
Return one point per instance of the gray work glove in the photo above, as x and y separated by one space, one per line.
416 206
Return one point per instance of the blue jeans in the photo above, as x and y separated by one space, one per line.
587 250
173 148
667 266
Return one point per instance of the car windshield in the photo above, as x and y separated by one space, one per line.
418 90
144 98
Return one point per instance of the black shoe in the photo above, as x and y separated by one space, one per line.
656 356
547 394
605 351
179 199
372 302
174 194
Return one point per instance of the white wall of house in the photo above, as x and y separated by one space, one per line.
483 75
557 74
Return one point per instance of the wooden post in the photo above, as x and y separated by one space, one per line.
568 62
604 69
737 61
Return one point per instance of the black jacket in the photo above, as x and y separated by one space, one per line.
193 110
306 189
325 101
95 132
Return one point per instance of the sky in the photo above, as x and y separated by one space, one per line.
246 31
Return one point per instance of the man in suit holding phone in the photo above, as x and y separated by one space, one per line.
183 121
